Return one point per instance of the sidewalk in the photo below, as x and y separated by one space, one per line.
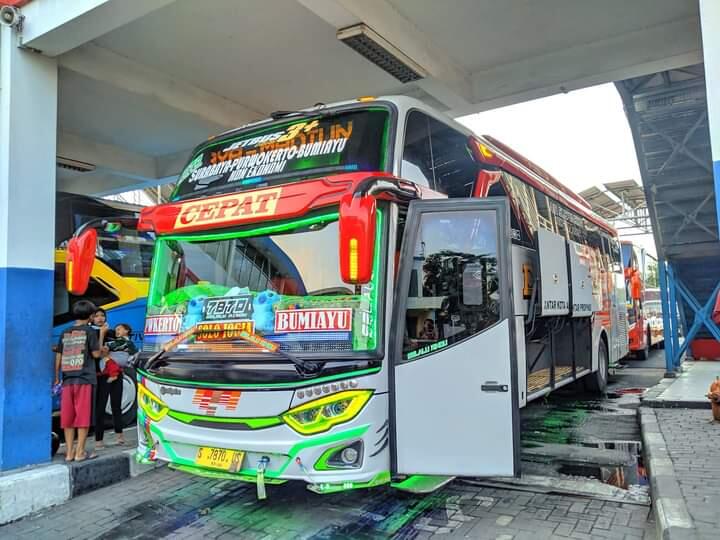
687 390
31 489
682 452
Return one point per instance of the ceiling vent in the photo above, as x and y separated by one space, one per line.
74 165
368 43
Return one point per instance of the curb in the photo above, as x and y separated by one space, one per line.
672 519
30 490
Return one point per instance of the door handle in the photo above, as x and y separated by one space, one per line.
494 387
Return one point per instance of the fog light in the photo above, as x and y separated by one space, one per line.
349 455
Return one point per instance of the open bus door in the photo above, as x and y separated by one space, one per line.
454 400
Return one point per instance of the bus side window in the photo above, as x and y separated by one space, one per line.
453 290
437 156
453 165
615 256
417 160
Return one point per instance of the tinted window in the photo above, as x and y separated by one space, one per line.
437 156
453 291
287 150
417 157
63 301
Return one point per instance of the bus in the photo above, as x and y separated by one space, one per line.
645 328
366 293
118 279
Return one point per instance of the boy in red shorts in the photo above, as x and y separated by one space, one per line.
76 350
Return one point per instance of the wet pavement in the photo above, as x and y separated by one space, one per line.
585 451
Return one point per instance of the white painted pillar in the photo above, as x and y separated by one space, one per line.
710 23
28 132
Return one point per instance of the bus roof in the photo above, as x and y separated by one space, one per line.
508 158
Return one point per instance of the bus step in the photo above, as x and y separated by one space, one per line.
421 483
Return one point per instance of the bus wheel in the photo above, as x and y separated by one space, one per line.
128 404
54 443
597 382
643 353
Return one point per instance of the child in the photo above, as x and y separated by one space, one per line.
121 344
77 347
110 382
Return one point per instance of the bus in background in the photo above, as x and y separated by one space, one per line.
653 312
642 326
119 277
366 293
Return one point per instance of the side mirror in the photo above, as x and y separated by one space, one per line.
357 238
80 259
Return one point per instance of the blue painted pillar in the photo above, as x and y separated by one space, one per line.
28 131
710 24
674 320
666 315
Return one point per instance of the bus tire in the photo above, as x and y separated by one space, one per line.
596 382
129 400
54 443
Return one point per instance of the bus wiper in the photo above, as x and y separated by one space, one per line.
168 346
316 111
304 367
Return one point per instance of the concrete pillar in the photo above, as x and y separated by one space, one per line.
28 132
710 24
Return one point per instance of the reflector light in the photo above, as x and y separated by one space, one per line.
485 151
368 43
353 258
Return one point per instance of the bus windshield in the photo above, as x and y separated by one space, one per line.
127 251
279 282
288 150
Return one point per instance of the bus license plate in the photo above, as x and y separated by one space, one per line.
219 458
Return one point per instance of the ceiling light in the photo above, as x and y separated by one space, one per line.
368 43
74 165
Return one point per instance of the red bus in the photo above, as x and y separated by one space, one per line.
645 328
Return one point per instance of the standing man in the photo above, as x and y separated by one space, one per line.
77 348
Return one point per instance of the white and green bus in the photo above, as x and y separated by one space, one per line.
366 293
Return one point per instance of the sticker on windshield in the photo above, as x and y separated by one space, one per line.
271 153
162 325
228 308
313 320
223 331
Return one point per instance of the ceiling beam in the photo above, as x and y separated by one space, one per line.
448 82
101 183
633 54
55 27
109 67
107 157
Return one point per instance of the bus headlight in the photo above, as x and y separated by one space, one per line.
322 414
151 405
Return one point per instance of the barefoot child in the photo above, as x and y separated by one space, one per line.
112 383
76 350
